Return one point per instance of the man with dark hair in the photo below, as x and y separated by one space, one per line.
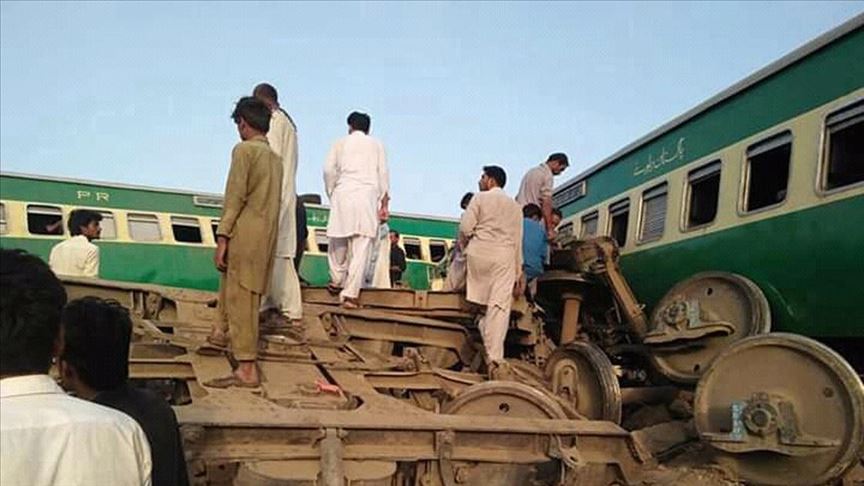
246 240
357 183
95 365
536 187
77 256
535 246
491 233
360 122
457 269
284 293
466 199
46 436
397 259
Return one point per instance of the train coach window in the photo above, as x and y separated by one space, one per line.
768 171
2 219
214 225
144 227
186 230
589 224
412 248
437 250
703 192
321 240
44 220
845 147
619 216
653 213
108 225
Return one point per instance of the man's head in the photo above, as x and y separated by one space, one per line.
30 304
267 93
466 200
394 237
252 117
96 335
359 122
493 176
85 222
556 217
532 211
557 162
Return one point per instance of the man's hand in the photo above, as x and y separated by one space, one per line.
220 258
519 286
383 214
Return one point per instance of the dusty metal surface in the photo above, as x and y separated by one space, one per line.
397 393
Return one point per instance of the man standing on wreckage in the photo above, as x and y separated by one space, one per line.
491 233
246 241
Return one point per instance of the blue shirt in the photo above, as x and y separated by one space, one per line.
534 248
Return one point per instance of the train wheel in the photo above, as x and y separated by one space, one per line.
581 375
500 399
505 399
781 409
701 316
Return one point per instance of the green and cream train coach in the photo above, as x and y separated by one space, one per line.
764 180
166 237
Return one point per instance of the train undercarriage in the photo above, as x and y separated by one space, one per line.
596 393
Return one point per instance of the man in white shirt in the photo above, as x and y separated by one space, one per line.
357 183
491 233
284 292
536 187
47 437
77 256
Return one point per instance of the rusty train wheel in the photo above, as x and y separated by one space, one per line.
725 307
781 409
504 399
582 376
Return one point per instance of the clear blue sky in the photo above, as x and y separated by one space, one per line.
141 92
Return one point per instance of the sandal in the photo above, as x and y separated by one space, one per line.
229 381
333 288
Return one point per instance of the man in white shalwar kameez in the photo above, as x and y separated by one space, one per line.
491 233
284 292
357 183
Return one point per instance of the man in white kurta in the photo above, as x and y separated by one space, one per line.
357 183
491 233
284 292
77 256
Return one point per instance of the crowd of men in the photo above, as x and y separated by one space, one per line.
114 433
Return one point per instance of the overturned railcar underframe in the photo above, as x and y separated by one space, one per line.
338 404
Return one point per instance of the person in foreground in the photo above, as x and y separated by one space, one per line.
95 365
246 241
47 437
492 226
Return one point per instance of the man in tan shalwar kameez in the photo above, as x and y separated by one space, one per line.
246 240
284 293
491 233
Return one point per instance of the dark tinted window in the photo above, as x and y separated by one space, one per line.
845 135
768 171
437 250
186 230
704 193
619 214
412 248
44 220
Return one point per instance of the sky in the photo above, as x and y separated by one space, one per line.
141 92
